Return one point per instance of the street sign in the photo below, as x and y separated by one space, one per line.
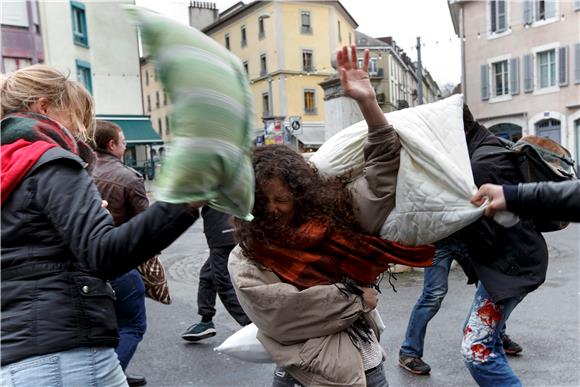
295 124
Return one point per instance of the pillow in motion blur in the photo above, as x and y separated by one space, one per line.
209 155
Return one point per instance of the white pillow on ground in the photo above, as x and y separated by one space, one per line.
244 345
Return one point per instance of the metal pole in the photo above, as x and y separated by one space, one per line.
419 73
270 101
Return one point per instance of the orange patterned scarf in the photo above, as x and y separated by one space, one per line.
316 255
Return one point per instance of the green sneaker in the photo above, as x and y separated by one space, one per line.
199 331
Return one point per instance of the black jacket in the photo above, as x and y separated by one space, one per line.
546 200
508 261
58 249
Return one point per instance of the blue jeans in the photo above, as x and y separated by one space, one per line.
90 367
435 285
482 346
131 316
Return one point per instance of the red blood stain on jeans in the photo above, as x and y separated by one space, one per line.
488 313
480 352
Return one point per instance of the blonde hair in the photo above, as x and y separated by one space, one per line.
22 88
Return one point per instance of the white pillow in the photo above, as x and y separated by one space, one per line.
244 345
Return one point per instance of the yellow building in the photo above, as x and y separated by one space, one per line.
286 48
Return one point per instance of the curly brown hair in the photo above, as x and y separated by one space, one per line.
315 197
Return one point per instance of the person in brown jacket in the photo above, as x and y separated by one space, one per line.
305 266
124 190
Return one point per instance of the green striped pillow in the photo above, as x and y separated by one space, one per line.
209 157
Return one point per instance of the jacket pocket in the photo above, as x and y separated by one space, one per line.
97 302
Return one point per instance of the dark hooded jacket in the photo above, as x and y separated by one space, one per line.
510 262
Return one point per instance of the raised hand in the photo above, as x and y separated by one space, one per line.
355 82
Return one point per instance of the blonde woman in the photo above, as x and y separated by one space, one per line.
59 246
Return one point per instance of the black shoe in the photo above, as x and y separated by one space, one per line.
510 347
135 380
199 331
414 365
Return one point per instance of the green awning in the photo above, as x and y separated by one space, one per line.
137 129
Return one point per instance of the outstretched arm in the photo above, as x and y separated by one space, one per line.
374 192
357 85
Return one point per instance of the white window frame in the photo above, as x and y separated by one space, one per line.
313 111
311 52
553 19
494 35
535 52
309 28
373 63
491 78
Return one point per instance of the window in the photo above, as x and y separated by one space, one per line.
227 41
500 78
244 40
265 105
157 99
546 68
167 127
540 10
164 98
373 66
246 68
263 65
84 75
13 64
305 26
339 33
498 16
349 39
261 30
146 78
307 61
14 13
549 128
79 24
160 126
148 103
310 101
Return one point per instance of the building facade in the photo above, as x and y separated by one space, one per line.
521 66
21 35
94 43
286 49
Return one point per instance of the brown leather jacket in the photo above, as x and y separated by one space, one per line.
121 186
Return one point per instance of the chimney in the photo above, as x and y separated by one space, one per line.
202 14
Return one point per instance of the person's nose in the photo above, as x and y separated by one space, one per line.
273 208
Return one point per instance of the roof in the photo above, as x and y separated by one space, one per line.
137 129
364 40
240 8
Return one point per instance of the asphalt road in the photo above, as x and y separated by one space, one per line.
546 324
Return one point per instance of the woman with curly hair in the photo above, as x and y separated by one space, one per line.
305 266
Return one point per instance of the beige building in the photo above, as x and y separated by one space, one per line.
286 48
521 66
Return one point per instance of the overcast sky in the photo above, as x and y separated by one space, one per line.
404 20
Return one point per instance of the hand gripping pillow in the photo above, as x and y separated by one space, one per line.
434 182
209 157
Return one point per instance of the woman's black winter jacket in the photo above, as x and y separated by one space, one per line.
59 248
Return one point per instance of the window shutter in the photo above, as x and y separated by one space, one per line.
484 82
515 76
501 15
492 15
550 8
563 66
577 63
528 73
528 12
576 5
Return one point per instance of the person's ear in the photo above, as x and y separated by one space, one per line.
40 106
111 144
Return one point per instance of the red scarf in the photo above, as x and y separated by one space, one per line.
26 137
315 255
